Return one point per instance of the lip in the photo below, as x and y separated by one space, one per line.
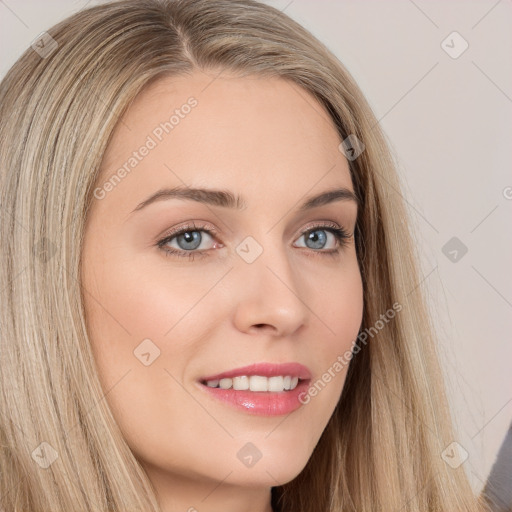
262 403
265 370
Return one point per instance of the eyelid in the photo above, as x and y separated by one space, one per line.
192 226
324 224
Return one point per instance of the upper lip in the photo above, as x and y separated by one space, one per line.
266 370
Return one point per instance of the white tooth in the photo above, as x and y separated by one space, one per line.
276 383
225 383
258 383
241 382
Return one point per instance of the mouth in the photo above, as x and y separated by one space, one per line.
263 389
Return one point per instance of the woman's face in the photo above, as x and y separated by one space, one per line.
266 285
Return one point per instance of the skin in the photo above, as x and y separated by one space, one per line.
271 142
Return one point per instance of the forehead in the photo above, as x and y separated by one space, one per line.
266 136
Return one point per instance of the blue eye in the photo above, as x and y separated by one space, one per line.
189 238
317 237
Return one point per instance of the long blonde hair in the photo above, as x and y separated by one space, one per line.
59 104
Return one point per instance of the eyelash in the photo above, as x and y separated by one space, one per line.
340 234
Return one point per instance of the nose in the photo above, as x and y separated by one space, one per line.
269 295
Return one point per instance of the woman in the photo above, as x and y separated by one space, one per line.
286 362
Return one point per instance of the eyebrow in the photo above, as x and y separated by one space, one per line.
227 199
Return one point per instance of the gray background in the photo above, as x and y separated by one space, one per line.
449 123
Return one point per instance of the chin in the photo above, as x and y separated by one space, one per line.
272 469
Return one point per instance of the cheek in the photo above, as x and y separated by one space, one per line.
339 312
343 305
140 312
335 299
125 304
136 299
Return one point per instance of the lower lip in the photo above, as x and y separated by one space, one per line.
262 403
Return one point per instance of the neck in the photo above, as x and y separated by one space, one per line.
178 493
